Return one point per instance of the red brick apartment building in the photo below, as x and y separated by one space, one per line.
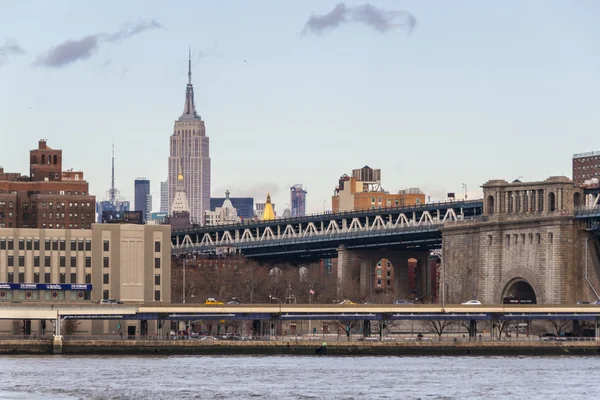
48 198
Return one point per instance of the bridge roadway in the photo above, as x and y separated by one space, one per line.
319 235
152 311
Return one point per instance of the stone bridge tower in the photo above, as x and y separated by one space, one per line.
527 245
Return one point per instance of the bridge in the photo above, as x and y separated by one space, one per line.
319 236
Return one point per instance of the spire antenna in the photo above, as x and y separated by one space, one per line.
190 67
112 179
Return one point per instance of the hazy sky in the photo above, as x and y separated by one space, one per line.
435 93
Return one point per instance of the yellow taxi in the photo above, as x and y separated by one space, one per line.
347 302
212 301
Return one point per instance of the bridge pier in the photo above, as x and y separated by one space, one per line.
366 328
472 328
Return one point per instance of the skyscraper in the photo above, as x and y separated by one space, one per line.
298 201
189 149
164 196
142 193
110 209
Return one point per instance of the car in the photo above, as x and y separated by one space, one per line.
402 301
105 301
114 301
472 303
596 303
346 302
234 302
212 301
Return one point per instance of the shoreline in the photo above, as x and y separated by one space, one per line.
304 348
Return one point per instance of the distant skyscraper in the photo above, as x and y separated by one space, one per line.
114 206
189 150
164 196
243 205
298 201
142 192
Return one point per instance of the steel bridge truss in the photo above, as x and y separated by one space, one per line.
323 227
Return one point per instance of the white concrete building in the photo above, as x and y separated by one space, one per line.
226 214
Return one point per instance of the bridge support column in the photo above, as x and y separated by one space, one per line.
57 343
366 328
472 328
344 268
366 275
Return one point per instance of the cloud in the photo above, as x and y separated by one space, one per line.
258 191
9 48
73 50
366 14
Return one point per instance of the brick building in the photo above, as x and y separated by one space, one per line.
363 191
586 166
48 198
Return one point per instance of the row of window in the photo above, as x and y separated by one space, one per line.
106 295
34 244
37 276
389 273
389 282
10 204
388 202
62 261
523 238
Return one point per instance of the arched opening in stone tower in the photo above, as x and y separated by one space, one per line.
490 205
519 291
383 281
577 200
551 202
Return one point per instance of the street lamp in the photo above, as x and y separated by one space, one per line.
324 201
464 186
183 288
271 298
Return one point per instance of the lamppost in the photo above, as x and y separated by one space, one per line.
271 298
183 288
324 201
464 186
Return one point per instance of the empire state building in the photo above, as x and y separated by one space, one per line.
189 151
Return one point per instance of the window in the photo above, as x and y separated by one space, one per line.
73 262
531 238
372 200
63 278
79 244
507 240
157 262
538 238
73 245
36 244
36 277
11 278
105 295
550 238
2 244
378 282
389 283
489 240
46 261
88 262
157 279
157 295
47 277
378 272
11 261
379 200
105 262
36 261
388 202
157 247
63 245
21 277
21 261
389 273
88 245
522 238
73 277
88 278
29 245
47 244
105 279
11 245
55 245
21 244
62 262
106 245
396 202
87 296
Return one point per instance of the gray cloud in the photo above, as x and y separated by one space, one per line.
9 48
366 14
258 191
73 50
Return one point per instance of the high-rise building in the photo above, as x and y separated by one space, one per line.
142 193
189 150
164 196
243 205
114 206
225 214
48 198
586 166
298 201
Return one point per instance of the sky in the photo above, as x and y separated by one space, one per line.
435 94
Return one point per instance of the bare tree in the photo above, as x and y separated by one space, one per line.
70 326
500 325
347 326
439 326
559 325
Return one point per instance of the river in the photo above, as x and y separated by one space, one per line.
296 377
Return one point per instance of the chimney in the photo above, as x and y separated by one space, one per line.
42 144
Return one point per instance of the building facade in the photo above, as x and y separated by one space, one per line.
119 261
164 196
48 198
362 191
226 214
189 152
586 166
298 201
243 205
142 199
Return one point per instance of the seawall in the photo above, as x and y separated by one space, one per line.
196 347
